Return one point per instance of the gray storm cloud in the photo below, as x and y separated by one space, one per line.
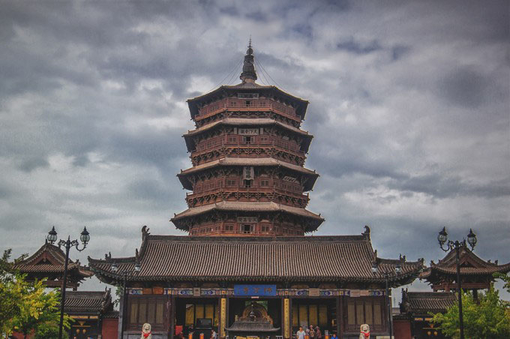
408 104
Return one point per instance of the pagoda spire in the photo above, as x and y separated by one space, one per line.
249 74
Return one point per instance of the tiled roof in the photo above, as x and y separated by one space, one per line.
50 259
327 258
248 162
470 264
246 207
471 270
111 315
245 122
242 87
87 302
425 302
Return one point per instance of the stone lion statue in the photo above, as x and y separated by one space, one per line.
364 331
146 331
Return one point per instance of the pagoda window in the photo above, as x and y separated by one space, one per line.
247 229
232 139
247 183
229 227
231 182
264 183
247 139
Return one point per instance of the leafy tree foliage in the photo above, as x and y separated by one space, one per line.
487 317
505 278
25 307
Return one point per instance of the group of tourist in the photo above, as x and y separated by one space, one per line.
310 333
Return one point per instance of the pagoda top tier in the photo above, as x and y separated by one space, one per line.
248 89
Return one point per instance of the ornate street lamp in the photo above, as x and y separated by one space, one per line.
125 274
447 245
52 238
387 276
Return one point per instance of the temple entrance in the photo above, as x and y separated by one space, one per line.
254 318
315 312
195 315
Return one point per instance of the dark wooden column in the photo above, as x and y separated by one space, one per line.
171 314
340 317
121 314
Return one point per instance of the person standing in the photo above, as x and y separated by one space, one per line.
312 332
300 333
318 333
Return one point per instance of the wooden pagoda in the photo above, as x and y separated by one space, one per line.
248 154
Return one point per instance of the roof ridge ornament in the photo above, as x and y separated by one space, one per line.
249 74
366 233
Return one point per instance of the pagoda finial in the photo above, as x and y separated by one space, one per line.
249 74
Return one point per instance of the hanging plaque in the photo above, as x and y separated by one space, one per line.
248 173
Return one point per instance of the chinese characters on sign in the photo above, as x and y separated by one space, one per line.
248 131
248 173
255 290
245 220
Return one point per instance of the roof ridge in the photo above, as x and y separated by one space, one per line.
187 238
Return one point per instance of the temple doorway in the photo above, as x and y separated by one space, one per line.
195 314
315 312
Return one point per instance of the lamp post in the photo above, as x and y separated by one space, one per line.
52 238
387 276
125 274
447 245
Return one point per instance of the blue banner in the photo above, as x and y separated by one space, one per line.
255 290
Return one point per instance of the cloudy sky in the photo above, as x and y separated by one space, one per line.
409 105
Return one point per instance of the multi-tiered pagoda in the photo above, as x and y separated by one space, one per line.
248 154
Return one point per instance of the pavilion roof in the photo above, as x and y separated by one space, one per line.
88 302
470 264
49 261
336 259
269 162
423 303
225 91
246 122
250 206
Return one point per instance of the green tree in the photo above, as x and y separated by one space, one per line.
25 307
485 318
505 278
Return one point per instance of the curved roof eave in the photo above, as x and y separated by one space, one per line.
192 102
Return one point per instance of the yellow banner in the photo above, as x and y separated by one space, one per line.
223 314
286 318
